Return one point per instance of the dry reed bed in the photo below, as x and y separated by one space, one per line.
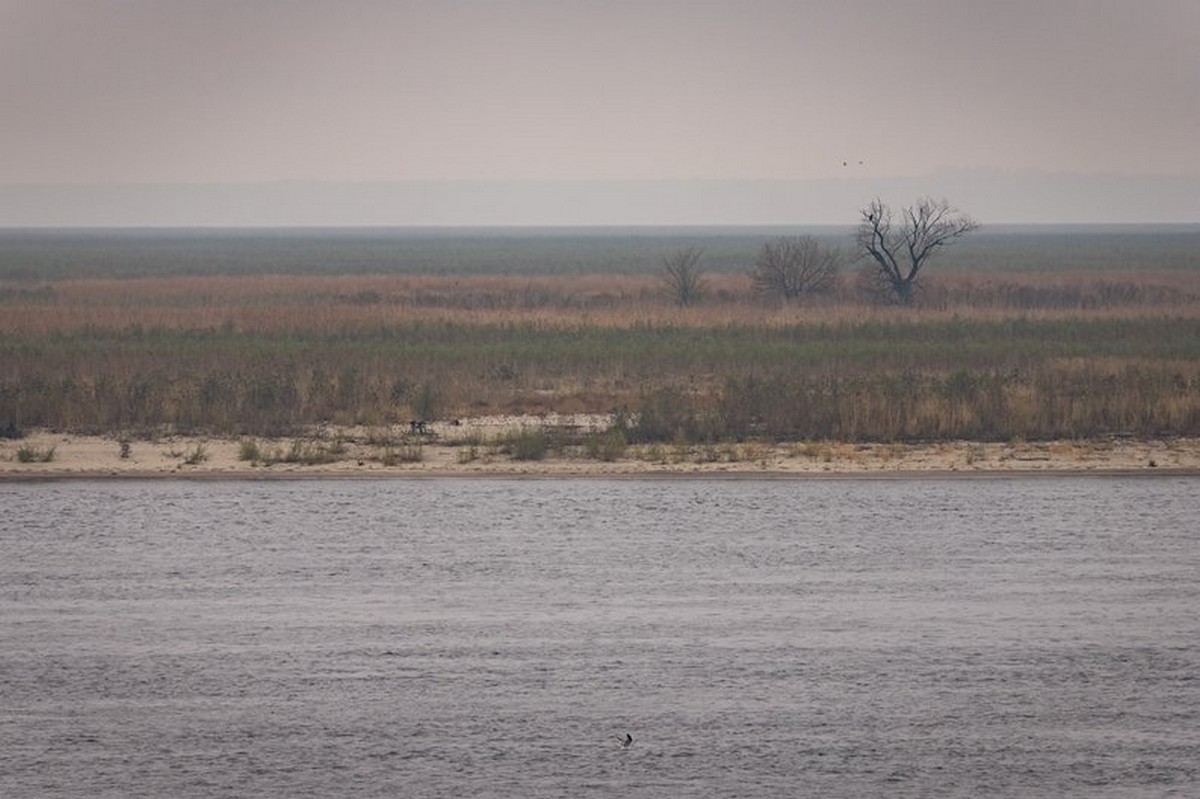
1034 356
275 303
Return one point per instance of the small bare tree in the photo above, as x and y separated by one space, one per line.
793 265
898 250
682 277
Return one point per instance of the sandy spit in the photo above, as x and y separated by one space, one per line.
471 448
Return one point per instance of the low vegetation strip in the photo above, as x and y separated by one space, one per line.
885 380
561 445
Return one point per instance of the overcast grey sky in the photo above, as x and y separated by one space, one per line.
229 91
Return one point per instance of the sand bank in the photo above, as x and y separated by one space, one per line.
473 447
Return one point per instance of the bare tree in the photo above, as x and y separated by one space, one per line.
793 265
682 277
899 249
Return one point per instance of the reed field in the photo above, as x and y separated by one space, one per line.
1087 334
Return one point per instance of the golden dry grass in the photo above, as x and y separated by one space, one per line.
277 303
1029 354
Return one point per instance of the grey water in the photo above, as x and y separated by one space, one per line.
470 638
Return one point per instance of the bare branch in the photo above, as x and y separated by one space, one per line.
900 253
876 239
790 266
682 277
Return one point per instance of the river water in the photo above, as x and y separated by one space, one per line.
473 637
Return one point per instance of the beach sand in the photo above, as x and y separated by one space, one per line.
470 447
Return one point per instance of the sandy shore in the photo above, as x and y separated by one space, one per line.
473 447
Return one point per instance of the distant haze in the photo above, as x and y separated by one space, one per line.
992 199
460 112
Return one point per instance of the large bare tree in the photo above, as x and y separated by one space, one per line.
789 266
682 276
900 247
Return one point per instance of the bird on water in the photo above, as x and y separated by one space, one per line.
626 742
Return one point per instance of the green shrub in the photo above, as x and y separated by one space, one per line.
406 453
197 455
31 454
249 450
526 445
606 446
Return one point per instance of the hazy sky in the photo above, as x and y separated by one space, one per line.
220 91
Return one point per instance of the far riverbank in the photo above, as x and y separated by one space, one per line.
478 447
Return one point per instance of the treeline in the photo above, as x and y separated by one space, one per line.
47 254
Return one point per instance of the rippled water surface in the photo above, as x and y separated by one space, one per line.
450 638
